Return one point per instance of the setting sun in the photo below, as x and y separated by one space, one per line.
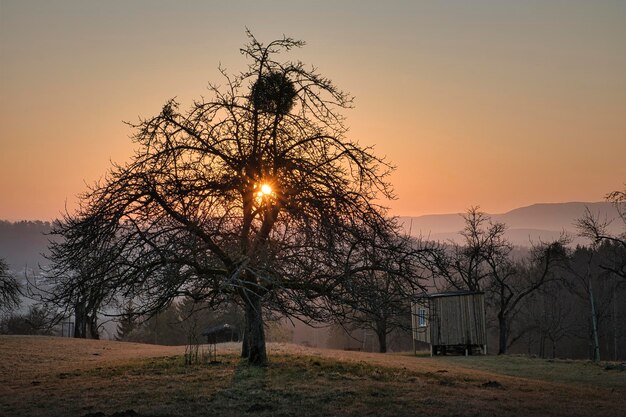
266 189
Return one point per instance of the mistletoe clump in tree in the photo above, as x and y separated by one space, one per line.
253 195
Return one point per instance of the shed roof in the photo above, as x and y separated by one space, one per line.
217 329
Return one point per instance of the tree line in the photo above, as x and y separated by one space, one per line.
553 300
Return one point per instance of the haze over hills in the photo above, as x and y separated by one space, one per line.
545 221
22 243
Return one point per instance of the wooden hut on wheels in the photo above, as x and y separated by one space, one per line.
450 322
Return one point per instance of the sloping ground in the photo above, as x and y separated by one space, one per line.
45 376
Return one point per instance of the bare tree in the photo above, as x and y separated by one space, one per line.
9 289
596 229
254 195
511 282
380 294
78 281
548 315
463 266
592 283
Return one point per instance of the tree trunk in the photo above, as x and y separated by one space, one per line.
245 351
502 339
80 323
615 331
381 332
255 333
93 327
594 325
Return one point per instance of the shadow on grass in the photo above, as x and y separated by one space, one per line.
302 386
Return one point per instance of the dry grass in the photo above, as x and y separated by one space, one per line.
610 376
42 376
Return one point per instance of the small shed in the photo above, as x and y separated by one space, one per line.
221 333
450 321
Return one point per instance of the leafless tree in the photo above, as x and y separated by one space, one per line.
254 194
590 225
78 281
595 286
512 281
548 315
463 266
379 299
9 289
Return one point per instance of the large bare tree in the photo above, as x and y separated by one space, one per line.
254 194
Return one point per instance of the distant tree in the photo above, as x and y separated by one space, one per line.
463 266
127 322
512 281
592 284
254 196
548 315
380 298
199 316
161 328
77 283
37 321
593 227
182 320
9 289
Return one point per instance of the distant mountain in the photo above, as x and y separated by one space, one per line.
537 222
23 243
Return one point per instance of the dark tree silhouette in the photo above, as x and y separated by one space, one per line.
595 286
546 315
78 281
595 228
512 281
9 289
463 266
37 321
127 322
254 195
380 296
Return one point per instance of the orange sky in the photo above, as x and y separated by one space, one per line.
493 103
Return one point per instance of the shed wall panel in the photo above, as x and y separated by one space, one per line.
452 320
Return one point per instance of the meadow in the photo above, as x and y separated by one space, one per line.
49 376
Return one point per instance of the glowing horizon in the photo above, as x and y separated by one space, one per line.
496 104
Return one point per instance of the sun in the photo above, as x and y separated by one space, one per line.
266 189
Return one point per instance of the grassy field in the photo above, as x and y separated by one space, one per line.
45 376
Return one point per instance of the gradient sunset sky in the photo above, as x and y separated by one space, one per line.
493 103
